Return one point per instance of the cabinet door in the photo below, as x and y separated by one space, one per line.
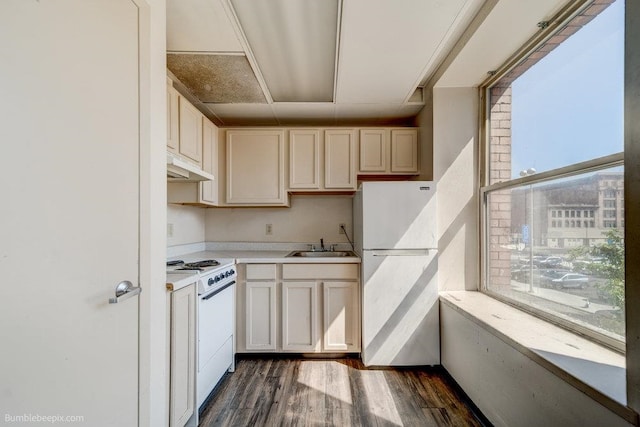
299 316
172 119
190 131
209 189
183 345
339 160
404 150
341 312
304 159
373 151
255 167
260 316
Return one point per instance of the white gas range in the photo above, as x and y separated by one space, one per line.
216 319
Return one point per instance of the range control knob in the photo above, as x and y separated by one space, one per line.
210 281
227 274
233 271
221 276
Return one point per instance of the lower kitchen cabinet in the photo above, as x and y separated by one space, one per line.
299 316
340 317
304 308
260 316
182 356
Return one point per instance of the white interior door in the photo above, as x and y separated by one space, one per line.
69 219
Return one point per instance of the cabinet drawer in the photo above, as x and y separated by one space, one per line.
320 271
261 271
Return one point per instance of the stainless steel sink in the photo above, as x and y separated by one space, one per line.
320 254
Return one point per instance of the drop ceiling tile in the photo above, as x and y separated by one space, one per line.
385 50
200 26
294 44
217 78
244 114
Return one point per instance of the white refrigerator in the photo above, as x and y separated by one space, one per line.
395 235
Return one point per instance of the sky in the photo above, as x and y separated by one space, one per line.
568 107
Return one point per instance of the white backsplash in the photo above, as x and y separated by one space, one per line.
309 219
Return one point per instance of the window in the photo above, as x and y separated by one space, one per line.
575 137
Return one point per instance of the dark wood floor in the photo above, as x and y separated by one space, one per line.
335 392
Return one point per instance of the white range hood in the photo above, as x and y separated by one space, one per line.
179 170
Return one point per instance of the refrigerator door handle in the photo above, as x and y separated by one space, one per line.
401 252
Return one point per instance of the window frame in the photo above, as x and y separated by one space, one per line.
593 165
548 30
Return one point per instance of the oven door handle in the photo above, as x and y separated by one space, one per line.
217 291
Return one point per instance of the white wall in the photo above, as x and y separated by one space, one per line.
454 141
188 224
153 399
509 388
307 220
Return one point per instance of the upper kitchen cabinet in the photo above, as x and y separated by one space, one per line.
209 189
373 151
255 167
304 159
404 151
184 127
204 193
321 160
388 151
173 125
190 131
339 159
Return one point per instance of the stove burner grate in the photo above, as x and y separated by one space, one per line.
200 264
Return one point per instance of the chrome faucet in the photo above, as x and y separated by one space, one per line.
322 245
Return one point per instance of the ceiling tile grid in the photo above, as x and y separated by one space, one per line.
278 62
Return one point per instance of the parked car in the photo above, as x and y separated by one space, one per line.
551 261
523 275
562 279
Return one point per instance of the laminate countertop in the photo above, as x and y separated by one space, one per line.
177 280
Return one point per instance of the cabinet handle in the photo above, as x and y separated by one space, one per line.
217 291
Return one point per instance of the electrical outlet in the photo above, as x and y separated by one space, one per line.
169 230
269 229
341 228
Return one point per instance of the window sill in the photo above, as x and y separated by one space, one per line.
595 370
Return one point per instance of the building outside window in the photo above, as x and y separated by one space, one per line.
557 114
